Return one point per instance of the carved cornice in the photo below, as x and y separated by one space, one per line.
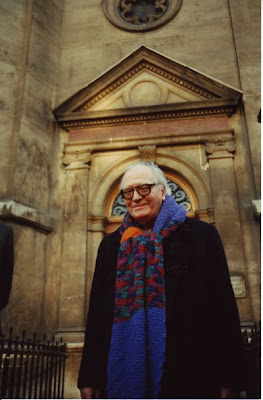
215 107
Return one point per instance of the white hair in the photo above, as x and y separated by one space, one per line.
158 174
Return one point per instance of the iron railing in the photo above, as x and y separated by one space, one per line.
31 368
252 362
34 368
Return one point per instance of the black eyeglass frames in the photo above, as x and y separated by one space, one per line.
142 190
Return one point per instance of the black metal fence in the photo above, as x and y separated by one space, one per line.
31 368
252 362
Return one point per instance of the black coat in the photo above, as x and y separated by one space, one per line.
6 263
203 327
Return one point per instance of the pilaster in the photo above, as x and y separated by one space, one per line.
73 275
220 153
95 234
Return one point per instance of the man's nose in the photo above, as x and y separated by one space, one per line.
136 195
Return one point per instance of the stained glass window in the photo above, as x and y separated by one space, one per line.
140 15
142 11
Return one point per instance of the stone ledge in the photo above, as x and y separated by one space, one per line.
75 348
25 215
73 337
257 208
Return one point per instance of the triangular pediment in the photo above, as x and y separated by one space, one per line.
146 82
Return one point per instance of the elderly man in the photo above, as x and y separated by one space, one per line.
163 321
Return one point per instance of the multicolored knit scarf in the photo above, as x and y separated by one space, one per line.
138 341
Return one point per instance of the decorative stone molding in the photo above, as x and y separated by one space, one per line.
96 223
77 159
134 115
206 215
147 153
25 215
140 15
220 147
143 135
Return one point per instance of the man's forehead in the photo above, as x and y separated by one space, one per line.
138 173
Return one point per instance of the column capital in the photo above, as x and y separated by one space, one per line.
75 157
96 223
220 147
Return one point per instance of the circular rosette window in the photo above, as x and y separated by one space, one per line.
140 15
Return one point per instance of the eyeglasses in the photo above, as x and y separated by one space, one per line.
142 190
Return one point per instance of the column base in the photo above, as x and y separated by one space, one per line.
71 335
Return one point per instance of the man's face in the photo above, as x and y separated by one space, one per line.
143 209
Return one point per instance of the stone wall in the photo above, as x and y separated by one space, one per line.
29 59
245 18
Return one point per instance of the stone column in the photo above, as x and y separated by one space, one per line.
73 271
95 234
220 152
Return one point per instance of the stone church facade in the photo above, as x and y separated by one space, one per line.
90 87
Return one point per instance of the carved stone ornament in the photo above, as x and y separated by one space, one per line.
140 15
147 153
220 147
77 159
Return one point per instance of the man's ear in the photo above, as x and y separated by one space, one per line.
163 193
